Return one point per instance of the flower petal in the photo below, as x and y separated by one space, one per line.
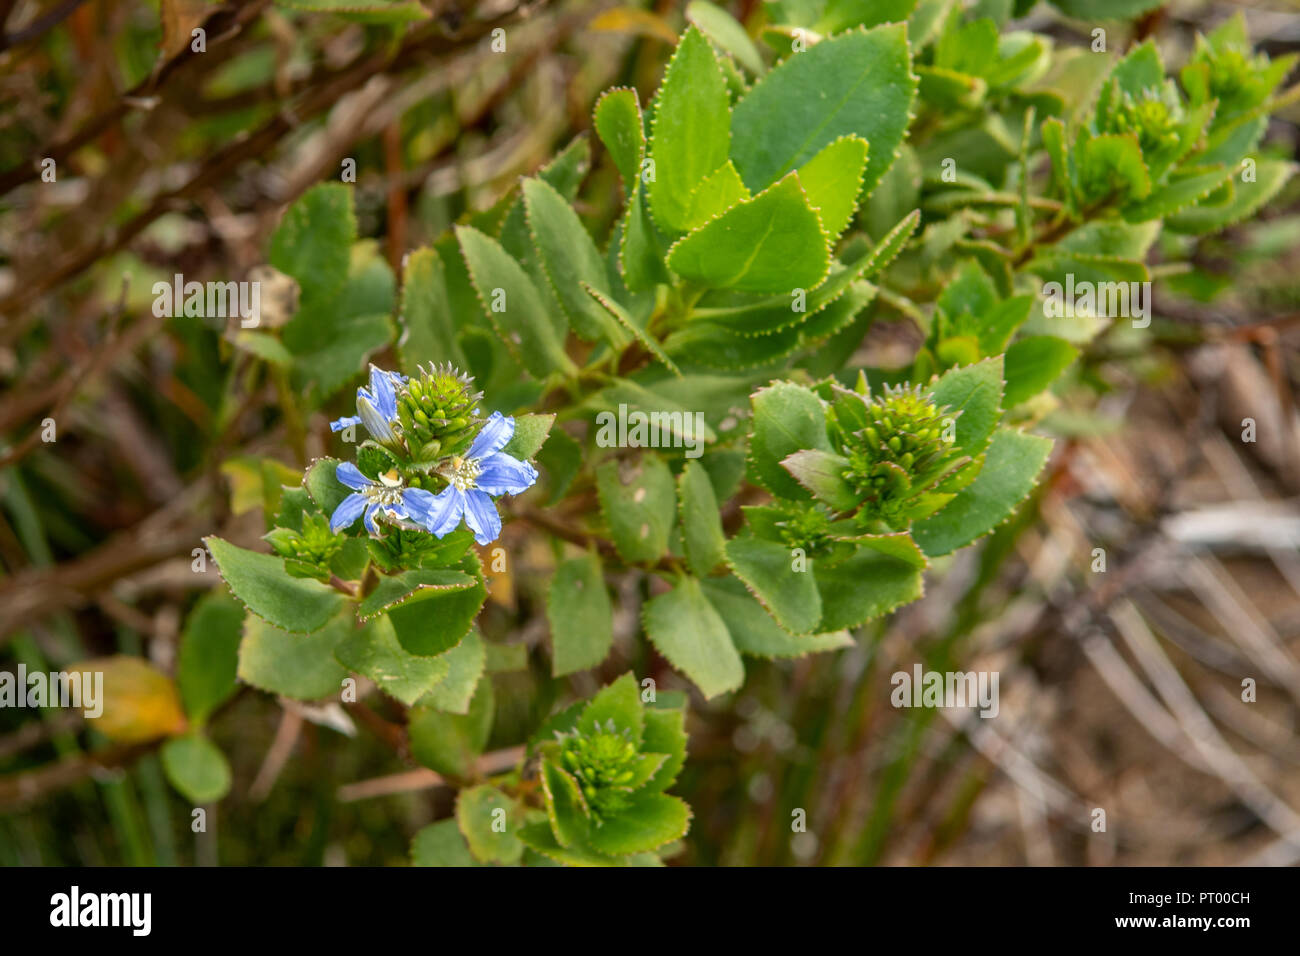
342 423
481 515
416 503
370 519
350 475
379 426
443 514
382 393
348 511
504 474
493 436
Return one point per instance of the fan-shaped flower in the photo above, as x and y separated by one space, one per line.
388 498
376 406
484 471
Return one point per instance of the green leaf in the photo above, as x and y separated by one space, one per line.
441 844
638 501
651 820
865 586
429 330
833 182
580 614
768 315
1247 198
314 239
643 338
410 586
569 259
767 569
566 808
331 337
723 29
450 744
269 591
1089 10
363 11
975 391
665 733
1033 363
715 194
323 486
822 473
1175 196
690 131
618 123
196 767
477 810
374 651
432 616
855 84
619 703
294 665
702 535
513 305
1111 166
753 630
687 630
842 14
540 838
209 654
531 431
787 418
1010 471
771 243
466 663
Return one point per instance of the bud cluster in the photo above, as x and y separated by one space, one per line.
604 765
896 447
438 412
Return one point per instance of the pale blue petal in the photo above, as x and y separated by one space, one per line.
417 502
350 475
382 393
494 435
348 511
379 425
342 423
443 515
481 515
503 474
370 519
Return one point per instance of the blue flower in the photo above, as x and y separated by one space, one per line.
484 471
376 406
388 498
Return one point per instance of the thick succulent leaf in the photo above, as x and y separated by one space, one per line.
859 83
690 633
374 651
293 665
753 630
639 503
769 244
263 585
1010 471
691 131
702 536
580 614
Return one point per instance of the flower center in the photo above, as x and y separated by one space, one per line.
462 472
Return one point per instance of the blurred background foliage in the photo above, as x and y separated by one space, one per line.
173 161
